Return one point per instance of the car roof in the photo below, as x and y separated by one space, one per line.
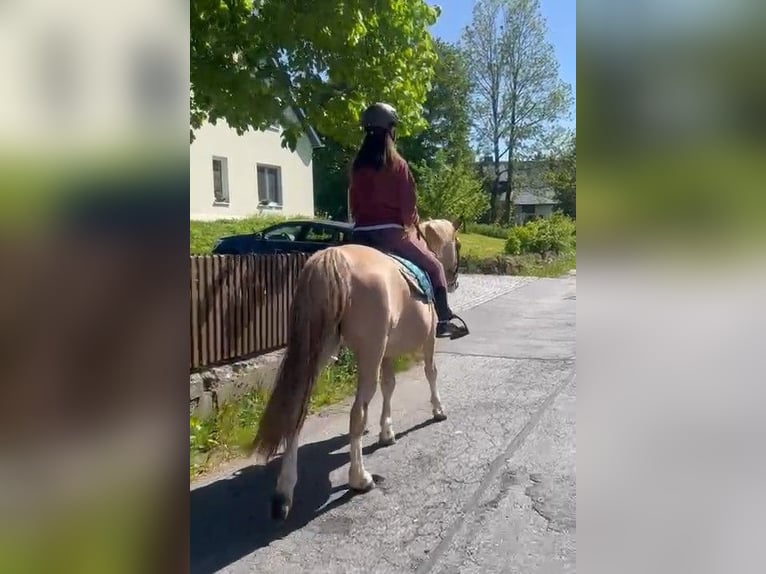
328 222
344 225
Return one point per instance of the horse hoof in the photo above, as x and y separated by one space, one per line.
439 417
365 484
386 441
280 507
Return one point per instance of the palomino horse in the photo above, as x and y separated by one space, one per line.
356 295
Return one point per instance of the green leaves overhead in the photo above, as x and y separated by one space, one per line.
330 58
446 111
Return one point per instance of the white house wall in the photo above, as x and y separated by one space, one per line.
243 154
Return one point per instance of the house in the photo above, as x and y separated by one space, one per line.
233 176
533 196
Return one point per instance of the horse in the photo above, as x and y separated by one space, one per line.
357 296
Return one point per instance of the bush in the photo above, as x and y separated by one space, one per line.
513 244
488 230
530 264
555 234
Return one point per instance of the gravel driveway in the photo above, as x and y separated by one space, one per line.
477 289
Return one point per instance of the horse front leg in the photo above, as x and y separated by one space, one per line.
429 351
387 385
369 369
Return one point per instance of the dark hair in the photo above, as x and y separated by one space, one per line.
378 151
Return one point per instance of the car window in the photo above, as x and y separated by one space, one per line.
284 233
322 234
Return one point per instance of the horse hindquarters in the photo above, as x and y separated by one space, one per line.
320 301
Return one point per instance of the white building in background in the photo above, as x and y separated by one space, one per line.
233 176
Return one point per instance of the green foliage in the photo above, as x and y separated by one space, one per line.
447 128
529 264
563 178
450 190
230 429
446 114
513 244
331 170
488 229
204 234
328 58
555 234
336 382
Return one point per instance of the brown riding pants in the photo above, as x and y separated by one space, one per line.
406 245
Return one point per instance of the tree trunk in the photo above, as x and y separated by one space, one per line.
495 182
509 191
511 157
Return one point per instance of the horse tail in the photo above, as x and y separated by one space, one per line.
320 300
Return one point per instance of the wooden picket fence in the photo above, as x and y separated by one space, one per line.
240 305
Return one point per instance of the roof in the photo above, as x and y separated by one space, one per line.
530 198
530 177
310 132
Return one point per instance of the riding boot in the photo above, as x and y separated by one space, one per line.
444 327
443 312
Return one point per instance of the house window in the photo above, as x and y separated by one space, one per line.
221 180
269 184
528 209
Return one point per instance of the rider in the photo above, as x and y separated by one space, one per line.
383 207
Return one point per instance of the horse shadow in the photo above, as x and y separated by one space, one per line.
230 518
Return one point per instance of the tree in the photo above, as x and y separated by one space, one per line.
537 96
445 112
331 170
450 189
517 83
483 45
563 177
250 61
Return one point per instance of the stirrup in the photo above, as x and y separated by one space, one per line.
462 333
454 331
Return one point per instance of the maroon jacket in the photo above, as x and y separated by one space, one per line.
383 197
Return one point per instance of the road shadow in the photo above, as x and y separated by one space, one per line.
230 518
371 448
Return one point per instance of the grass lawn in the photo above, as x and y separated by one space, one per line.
474 245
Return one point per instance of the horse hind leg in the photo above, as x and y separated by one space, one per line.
282 500
387 385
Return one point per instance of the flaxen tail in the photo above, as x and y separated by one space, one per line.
321 297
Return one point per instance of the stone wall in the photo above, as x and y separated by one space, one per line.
210 387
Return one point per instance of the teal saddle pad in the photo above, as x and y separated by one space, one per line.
419 277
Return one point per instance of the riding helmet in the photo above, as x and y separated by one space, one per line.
380 115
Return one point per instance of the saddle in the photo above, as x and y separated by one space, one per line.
418 279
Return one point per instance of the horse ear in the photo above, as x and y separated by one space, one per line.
458 223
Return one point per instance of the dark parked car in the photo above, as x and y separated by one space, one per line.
288 237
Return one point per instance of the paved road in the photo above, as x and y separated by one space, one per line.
492 489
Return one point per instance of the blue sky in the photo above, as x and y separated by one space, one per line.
561 20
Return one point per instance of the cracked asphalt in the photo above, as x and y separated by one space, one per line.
491 489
